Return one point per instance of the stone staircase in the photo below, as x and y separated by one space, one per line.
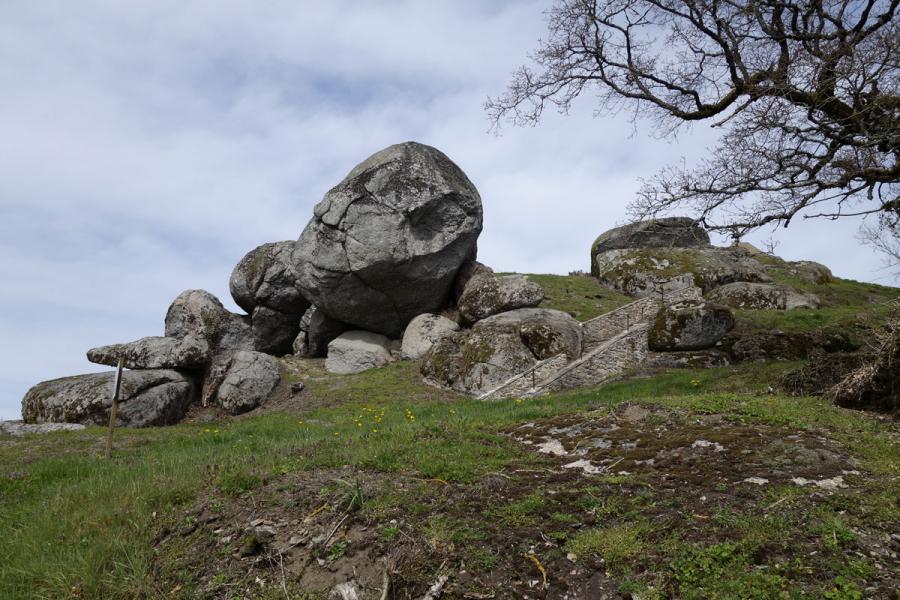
612 343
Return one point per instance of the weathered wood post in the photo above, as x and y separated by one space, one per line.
113 409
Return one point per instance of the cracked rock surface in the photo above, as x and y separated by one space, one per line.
386 243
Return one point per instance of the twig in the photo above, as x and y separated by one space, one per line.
776 503
283 584
333 531
315 512
434 591
385 583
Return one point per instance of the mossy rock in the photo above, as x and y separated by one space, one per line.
693 326
643 271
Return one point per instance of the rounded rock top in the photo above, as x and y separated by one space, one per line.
386 243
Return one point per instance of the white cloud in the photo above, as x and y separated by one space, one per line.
148 145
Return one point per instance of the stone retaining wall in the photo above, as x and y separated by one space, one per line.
611 324
623 352
523 382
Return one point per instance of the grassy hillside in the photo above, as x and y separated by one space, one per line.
683 484
412 483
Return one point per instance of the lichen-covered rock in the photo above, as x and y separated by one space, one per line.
644 271
422 332
273 331
18 428
154 352
689 326
544 331
669 232
497 348
198 313
470 269
475 362
357 351
386 243
266 276
146 398
317 330
764 296
249 380
810 271
487 294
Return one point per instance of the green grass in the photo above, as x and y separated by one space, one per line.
582 297
76 523
613 544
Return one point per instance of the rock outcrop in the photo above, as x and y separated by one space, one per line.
422 333
765 296
645 271
155 352
669 232
357 351
487 294
689 326
477 360
147 397
200 314
386 243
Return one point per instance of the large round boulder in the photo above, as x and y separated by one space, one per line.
478 360
266 276
386 243
689 326
146 398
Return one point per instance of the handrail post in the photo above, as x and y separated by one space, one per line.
113 409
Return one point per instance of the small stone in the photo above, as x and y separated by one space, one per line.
756 480
264 533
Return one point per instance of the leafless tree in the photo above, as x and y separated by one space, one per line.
805 91
884 239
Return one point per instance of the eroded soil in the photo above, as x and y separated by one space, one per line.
640 502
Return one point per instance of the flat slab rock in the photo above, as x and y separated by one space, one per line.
147 398
155 352
18 428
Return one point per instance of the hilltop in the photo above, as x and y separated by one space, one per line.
392 419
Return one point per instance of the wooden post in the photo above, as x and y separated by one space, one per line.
115 405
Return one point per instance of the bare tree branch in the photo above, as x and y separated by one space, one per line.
806 92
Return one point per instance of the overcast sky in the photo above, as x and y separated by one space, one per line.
147 146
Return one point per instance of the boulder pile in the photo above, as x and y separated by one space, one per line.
386 251
386 270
